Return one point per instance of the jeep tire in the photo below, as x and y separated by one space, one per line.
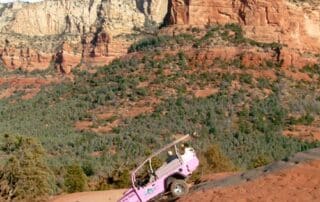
179 188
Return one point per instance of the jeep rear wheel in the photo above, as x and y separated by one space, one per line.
179 188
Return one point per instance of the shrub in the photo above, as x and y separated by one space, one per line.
305 120
263 83
246 78
268 114
312 69
212 161
238 36
259 161
148 43
25 175
120 179
195 30
75 179
217 161
88 169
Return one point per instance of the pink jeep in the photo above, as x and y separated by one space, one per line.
170 177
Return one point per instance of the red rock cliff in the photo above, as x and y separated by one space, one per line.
297 25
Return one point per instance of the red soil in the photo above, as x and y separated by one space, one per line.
98 196
299 183
31 86
205 92
311 133
112 117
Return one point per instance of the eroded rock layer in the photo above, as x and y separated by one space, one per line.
67 32
297 25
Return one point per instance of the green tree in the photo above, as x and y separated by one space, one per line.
25 175
75 179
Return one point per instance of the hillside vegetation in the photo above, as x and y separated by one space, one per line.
96 123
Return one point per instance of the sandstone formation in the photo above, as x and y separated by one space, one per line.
53 17
66 32
297 25
24 57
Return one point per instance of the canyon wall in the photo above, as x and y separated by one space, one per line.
295 24
67 32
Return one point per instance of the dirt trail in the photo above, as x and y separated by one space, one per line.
98 196
297 179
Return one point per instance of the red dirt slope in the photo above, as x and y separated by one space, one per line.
298 183
98 196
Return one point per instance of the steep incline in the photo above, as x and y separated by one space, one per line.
296 179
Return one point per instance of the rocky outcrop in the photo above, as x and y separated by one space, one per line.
32 35
53 17
296 25
24 57
67 58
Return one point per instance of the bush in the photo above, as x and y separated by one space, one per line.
163 41
25 175
75 179
149 43
259 161
263 83
268 114
216 161
212 161
238 33
120 179
246 78
88 169
305 120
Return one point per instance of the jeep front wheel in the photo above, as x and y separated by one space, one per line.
179 188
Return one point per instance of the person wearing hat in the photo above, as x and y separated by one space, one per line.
171 156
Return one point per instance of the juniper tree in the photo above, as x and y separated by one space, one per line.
75 179
25 175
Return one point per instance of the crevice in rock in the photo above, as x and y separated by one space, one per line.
177 9
144 6
68 24
167 20
242 10
99 24
91 4
187 5
58 61
267 15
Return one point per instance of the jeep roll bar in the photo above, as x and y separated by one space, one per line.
148 160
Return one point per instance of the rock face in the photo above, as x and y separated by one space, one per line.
53 17
32 35
94 32
297 25
25 57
